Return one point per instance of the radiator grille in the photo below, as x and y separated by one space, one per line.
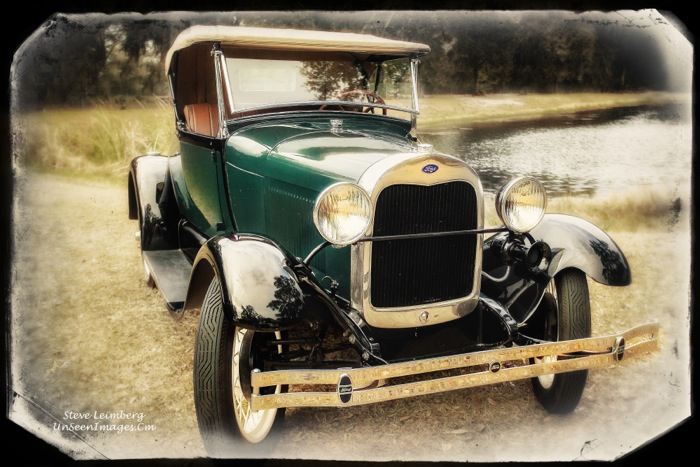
427 270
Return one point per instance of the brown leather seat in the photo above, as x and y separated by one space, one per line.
202 118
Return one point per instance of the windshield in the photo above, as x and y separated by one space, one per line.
280 82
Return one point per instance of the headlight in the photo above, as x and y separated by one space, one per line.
521 203
342 213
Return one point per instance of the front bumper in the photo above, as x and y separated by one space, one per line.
468 370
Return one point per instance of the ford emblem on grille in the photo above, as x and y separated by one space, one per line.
430 168
345 388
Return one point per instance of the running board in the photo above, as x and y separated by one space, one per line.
170 270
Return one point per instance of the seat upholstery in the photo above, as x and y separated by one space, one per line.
201 118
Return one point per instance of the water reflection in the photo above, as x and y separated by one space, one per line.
579 154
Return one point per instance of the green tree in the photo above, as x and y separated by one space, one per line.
63 64
328 79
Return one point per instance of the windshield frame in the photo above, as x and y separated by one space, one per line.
232 111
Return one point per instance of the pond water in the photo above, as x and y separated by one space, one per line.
584 154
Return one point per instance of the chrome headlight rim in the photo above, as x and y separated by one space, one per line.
320 213
504 202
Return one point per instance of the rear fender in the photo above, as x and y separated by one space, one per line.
152 203
260 291
574 242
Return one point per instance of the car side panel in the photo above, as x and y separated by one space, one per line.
199 188
245 168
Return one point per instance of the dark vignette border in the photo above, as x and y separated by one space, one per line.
27 450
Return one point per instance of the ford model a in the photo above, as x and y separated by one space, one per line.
337 261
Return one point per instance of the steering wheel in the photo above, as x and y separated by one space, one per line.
360 92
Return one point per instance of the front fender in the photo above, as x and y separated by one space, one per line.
260 291
577 243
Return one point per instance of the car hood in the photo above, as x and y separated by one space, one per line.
312 156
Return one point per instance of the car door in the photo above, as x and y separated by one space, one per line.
203 190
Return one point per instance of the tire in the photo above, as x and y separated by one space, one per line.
567 304
223 412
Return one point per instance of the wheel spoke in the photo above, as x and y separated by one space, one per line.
254 426
223 412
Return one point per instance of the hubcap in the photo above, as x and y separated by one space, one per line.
546 381
551 333
254 426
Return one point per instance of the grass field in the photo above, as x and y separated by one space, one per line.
102 140
99 143
447 111
99 140
90 336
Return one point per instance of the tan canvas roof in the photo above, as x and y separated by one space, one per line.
294 39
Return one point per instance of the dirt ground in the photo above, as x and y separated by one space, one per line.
89 337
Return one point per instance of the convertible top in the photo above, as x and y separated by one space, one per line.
294 40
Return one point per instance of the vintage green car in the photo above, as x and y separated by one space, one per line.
334 259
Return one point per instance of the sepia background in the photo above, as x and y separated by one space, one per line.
597 104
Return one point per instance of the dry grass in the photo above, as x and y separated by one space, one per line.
635 209
647 208
455 111
89 335
101 140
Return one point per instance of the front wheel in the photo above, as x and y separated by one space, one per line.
224 356
567 309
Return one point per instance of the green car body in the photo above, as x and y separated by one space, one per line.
271 173
322 243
